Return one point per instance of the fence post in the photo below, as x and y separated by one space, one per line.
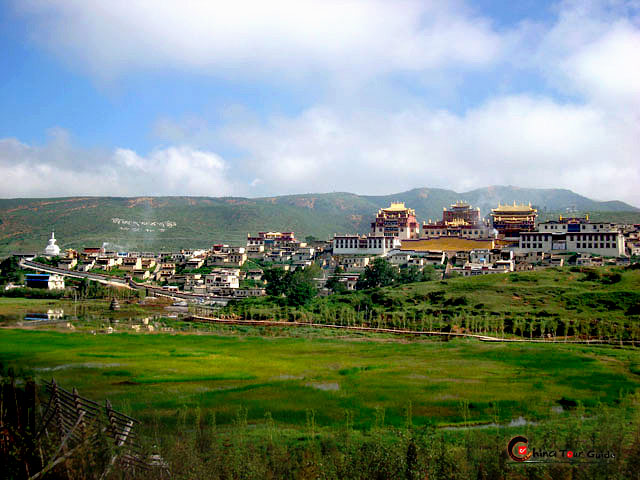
79 411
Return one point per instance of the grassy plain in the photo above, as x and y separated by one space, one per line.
156 375
599 302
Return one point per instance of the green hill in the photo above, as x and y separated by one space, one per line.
140 223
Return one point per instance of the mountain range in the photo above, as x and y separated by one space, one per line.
156 223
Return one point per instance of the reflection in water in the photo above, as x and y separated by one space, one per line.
52 314
92 316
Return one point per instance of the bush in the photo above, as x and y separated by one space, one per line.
591 275
611 278
26 292
456 301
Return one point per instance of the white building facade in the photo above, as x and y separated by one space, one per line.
364 245
603 239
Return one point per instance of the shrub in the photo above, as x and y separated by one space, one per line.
611 278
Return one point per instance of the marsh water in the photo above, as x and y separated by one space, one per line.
88 313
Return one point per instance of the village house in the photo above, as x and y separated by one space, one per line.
107 263
472 269
47 281
353 263
131 263
222 278
166 270
303 254
86 265
194 263
254 274
67 263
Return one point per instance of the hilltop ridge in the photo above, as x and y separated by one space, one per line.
144 222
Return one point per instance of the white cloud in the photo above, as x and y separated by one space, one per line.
276 38
589 143
60 169
608 69
520 140
592 50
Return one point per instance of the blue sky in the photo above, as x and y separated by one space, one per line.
261 98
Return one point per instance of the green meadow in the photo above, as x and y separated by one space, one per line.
599 303
154 376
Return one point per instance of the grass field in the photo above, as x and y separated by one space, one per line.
596 302
156 375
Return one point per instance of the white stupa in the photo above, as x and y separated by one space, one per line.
52 249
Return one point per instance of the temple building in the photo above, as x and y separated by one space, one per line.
510 220
458 221
574 235
364 245
396 221
461 212
52 250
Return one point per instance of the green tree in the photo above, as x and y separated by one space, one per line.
10 271
334 284
276 281
83 289
297 286
300 288
380 274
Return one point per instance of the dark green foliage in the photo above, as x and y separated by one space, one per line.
276 283
333 284
255 451
455 301
382 274
53 261
296 286
25 292
10 271
379 274
611 278
591 275
300 292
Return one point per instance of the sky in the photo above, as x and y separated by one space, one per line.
260 98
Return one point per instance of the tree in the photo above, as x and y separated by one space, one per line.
310 239
276 281
10 271
300 293
300 288
334 284
297 286
380 274
84 288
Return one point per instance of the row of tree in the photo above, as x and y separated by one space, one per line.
299 288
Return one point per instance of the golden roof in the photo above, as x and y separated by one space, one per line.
514 208
454 244
398 207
